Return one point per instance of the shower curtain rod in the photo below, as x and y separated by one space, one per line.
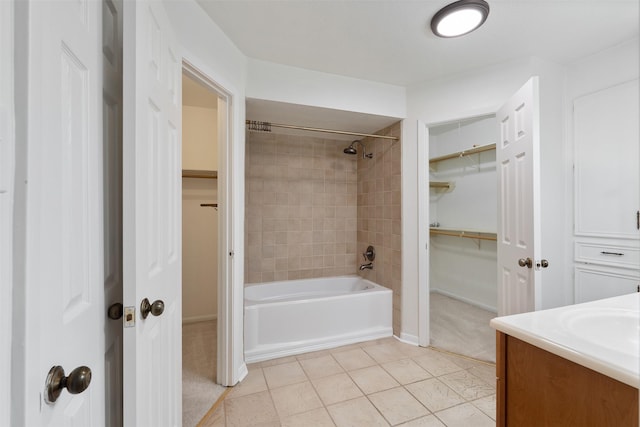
254 125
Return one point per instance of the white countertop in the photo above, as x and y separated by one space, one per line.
601 335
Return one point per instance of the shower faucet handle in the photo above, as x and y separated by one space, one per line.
370 254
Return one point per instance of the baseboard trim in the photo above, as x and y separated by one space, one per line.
408 339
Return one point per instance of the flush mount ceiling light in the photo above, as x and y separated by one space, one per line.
459 18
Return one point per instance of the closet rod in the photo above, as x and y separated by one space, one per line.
209 205
253 125
474 150
463 234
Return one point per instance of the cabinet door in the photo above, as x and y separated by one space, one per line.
593 283
606 162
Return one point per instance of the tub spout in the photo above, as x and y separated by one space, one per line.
368 266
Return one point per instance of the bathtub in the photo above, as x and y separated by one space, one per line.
297 316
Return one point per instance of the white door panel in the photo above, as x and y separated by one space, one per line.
517 154
151 216
64 256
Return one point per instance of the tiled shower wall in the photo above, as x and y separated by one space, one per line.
300 208
379 214
311 210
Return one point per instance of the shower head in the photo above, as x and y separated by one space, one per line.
351 149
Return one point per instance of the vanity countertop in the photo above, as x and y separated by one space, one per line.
601 335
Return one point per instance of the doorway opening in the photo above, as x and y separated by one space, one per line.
463 227
202 135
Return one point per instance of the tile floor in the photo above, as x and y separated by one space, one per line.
376 383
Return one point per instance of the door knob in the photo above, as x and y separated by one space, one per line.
157 308
115 311
77 382
525 262
544 263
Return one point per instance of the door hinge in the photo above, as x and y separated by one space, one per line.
638 288
129 317
638 220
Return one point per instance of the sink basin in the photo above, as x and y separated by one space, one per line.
614 329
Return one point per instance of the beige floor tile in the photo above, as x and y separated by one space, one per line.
406 371
383 353
250 410
464 361
252 383
434 394
410 350
397 405
373 379
348 347
487 405
316 418
464 416
313 354
279 361
428 421
436 363
355 413
336 388
486 373
295 398
321 366
467 385
354 359
284 374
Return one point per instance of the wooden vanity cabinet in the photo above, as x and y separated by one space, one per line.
537 388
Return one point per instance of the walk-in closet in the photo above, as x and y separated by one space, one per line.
463 225
199 249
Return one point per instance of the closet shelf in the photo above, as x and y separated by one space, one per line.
474 150
469 234
207 174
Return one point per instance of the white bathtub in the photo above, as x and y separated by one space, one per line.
297 316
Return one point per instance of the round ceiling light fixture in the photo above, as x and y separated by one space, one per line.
459 18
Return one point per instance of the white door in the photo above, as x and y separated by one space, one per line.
151 217
517 160
64 316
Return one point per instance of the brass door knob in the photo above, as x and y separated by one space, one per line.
77 382
157 308
525 262
115 311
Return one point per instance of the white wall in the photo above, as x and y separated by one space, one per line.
199 138
604 69
480 92
199 250
275 82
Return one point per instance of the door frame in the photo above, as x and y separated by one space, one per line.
7 170
424 249
227 306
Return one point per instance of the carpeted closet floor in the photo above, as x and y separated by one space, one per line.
199 390
462 328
